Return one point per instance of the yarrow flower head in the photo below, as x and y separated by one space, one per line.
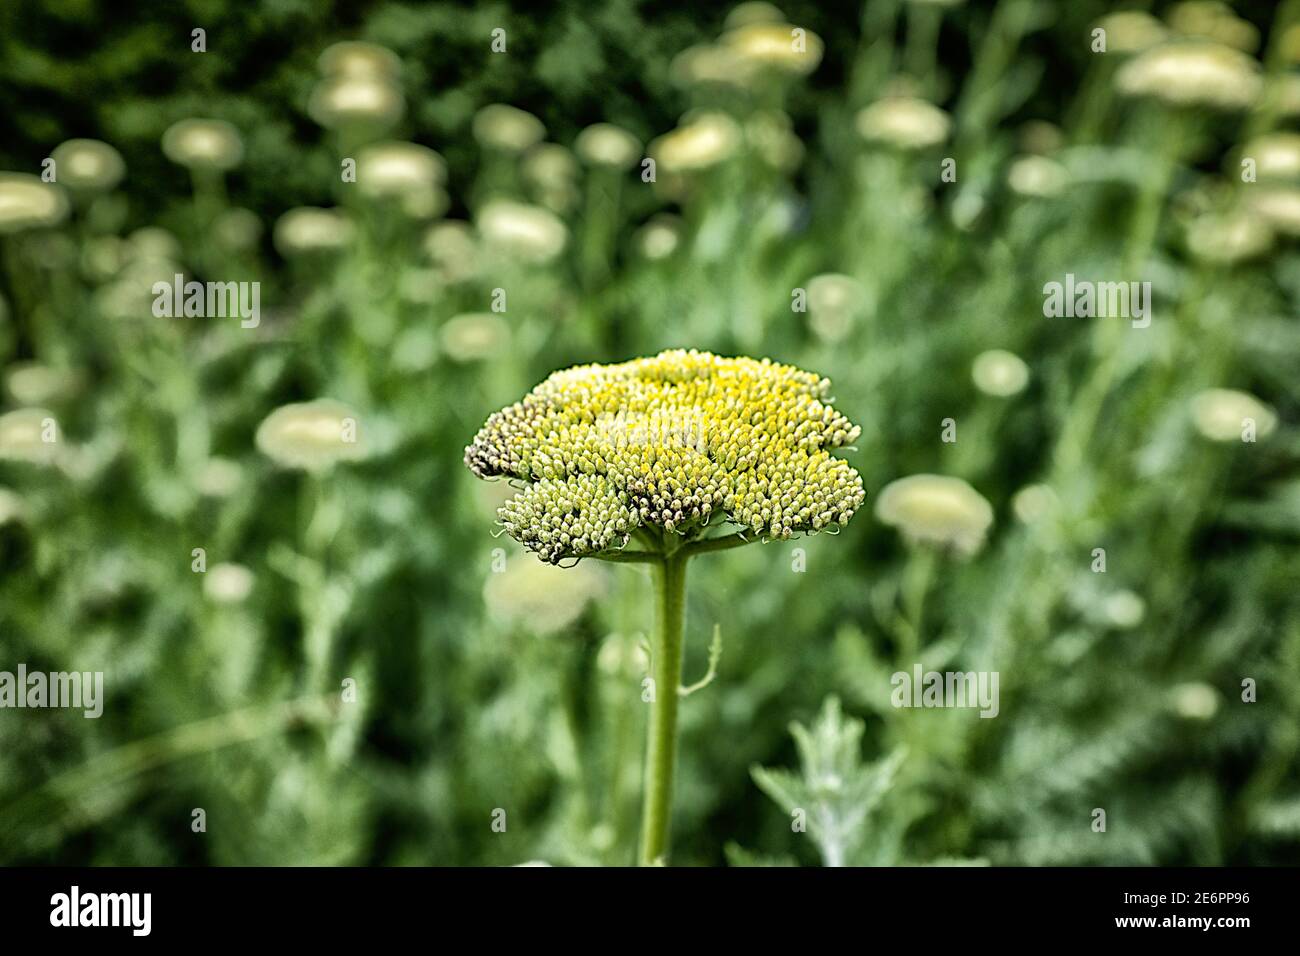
1193 73
311 436
30 435
28 203
904 122
309 229
1224 414
936 510
1131 31
1000 373
203 144
665 445
88 165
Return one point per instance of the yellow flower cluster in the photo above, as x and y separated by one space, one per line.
668 443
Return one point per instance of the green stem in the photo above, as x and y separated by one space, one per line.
661 746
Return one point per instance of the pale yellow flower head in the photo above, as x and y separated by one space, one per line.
938 511
668 443
751 12
475 337
507 128
1193 73
30 435
1000 373
660 237
1194 700
312 436
227 583
1223 238
703 141
1276 155
12 509
453 248
1123 609
203 144
1279 206
1037 177
708 64
1212 20
1131 31
358 58
356 100
35 384
776 46
604 144
530 233
1032 503
1223 414
308 229
406 174
904 122
549 165
28 203
87 165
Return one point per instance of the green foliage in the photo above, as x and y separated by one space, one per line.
834 794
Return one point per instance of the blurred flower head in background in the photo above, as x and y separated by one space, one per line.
312 436
407 174
776 46
30 435
308 229
904 122
1221 414
228 583
936 510
88 165
28 203
532 233
1230 236
1193 73
1131 31
475 336
702 140
203 144
506 128
1000 373
604 144
1213 20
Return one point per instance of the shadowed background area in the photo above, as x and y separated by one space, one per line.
319 642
